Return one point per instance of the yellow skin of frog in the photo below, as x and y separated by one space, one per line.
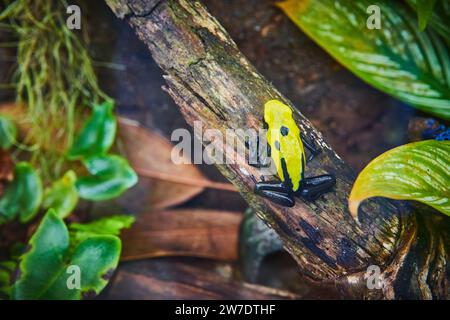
287 151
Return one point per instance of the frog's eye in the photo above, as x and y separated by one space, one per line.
284 131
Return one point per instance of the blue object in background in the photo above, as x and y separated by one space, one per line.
439 132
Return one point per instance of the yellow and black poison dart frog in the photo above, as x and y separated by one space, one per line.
285 147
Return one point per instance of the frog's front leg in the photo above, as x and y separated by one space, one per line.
275 191
312 188
310 146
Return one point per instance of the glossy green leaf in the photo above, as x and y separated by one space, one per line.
417 171
97 135
23 196
439 17
62 195
424 10
49 268
8 133
111 176
398 59
105 226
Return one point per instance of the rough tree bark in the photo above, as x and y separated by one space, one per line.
212 82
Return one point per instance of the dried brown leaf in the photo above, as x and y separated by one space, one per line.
197 233
147 151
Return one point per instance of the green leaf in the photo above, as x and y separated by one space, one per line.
105 226
111 176
97 135
8 133
7 269
424 10
439 17
49 267
23 196
398 59
417 171
62 195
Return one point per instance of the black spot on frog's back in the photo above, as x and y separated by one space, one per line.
284 131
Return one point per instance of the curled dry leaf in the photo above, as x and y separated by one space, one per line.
197 233
147 151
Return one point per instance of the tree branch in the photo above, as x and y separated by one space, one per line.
212 82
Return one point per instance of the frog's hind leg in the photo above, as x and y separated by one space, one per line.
275 191
312 188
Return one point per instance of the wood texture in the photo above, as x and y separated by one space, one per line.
212 82
180 280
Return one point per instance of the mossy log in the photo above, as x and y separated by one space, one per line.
212 82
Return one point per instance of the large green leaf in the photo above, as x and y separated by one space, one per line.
23 196
46 269
111 176
97 135
8 133
398 59
62 195
111 225
417 171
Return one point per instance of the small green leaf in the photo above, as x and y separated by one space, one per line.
49 269
105 226
111 176
62 195
8 133
398 59
45 258
417 171
96 258
424 10
23 196
7 269
439 16
97 135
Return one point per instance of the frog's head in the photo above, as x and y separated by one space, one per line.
276 113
